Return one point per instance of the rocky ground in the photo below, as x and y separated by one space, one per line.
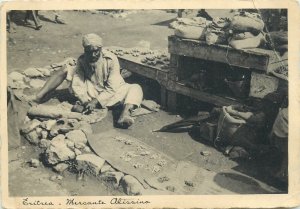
27 47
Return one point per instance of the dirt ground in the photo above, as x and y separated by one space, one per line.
54 42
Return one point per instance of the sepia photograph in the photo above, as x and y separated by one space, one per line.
146 102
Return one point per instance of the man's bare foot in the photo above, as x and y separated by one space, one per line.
125 121
38 27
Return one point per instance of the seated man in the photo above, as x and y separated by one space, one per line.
96 81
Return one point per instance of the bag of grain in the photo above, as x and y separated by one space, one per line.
247 22
190 32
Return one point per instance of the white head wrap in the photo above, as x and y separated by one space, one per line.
92 39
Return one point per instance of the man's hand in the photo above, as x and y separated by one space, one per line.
90 106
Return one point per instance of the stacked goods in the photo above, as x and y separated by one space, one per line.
217 31
190 28
243 30
247 29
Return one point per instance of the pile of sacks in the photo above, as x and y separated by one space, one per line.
247 30
243 30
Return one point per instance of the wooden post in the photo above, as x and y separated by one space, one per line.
172 101
163 97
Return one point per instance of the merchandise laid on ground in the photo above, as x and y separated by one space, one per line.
230 73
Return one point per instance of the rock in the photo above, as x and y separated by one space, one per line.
32 73
171 188
39 131
85 127
107 168
27 119
26 79
77 152
205 153
16 84
131 186
90 162
30 126
44 134
189 183
61 167
87 149
37 83
58 150
32 137
70 144
34 163
114 177
44 71
44 143
16 76
48 124
77 136
52 178
53 132
56 177
79 145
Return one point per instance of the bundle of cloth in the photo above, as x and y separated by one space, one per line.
190 28
244 30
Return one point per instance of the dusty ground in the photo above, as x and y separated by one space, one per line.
53 43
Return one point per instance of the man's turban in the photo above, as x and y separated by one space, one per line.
92 40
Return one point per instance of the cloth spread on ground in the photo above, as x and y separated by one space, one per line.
155 169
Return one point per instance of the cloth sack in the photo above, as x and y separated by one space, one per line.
247 22
190 32
253 42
